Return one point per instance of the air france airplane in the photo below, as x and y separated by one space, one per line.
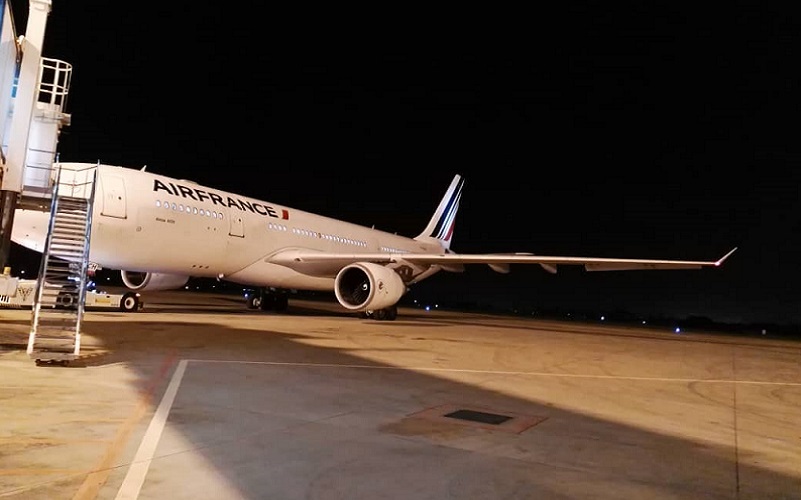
159 232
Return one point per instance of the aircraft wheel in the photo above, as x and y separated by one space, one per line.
254 301
65 300
129 302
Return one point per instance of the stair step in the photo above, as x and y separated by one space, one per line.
65 245
70 222
48 348
66 235
52 356
56 324
55 342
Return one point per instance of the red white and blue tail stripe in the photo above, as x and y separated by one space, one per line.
440 227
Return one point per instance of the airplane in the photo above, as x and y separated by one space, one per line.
159 231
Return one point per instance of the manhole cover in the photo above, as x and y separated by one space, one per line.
478 416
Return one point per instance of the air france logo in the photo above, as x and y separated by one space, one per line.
238 203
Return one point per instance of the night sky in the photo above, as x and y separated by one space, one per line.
633 130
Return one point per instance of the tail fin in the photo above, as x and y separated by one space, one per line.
440 227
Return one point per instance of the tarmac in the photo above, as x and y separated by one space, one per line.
197 397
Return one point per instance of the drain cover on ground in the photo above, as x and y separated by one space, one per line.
478 416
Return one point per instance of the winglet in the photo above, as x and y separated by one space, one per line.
720 261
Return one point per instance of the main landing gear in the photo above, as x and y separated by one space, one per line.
268 300
386 314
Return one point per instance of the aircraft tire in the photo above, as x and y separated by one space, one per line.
65 300
129 302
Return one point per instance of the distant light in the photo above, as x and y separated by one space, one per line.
428 308
603 318
678 330
22 272
643 322
108 279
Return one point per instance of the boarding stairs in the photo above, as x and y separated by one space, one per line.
58 308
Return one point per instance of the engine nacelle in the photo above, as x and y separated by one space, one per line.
364 286
153 281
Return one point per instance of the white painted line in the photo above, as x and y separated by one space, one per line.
498 372
135 478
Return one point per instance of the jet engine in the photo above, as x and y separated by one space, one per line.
153 281
364 286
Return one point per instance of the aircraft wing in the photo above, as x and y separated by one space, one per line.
499 262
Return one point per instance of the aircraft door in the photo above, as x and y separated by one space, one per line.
113 189
237 227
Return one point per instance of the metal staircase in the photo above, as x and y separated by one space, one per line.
58 308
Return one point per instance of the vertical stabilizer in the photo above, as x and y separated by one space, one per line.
440 227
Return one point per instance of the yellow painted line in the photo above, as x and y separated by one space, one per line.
30 388
97 478
132 484
49 441
38 472
41 422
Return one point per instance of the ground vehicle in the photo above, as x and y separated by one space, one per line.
26 290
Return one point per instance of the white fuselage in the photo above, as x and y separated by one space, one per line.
151 223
